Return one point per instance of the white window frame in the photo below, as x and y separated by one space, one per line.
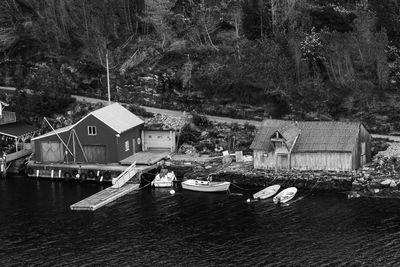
126 145
92 130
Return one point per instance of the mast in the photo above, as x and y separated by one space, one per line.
108 79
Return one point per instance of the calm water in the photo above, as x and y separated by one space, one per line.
155 228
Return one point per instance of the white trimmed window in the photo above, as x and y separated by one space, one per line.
92 130
126 145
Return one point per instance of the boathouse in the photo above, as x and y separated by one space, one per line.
107 135
311 145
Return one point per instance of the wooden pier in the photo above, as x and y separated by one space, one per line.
104 197
121 186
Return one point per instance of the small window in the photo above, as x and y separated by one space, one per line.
149 136
159 137
126 145
92 130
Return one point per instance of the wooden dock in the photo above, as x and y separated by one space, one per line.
145 157
104 197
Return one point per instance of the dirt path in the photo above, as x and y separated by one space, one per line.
168 112
177 113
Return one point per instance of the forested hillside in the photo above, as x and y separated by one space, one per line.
295 59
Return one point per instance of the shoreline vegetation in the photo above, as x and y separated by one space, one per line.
303 60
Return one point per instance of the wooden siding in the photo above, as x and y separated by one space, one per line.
166 142
367 138
129 136
37 145
105 136
337 161
264 162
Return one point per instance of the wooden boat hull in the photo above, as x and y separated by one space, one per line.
285 195
204 186
267 192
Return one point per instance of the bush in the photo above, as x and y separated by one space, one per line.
139 111
200 120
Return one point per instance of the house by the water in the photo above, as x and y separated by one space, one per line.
111 136
311 145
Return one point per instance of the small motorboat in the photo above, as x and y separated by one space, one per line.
205 186
164 179
285 195
267 192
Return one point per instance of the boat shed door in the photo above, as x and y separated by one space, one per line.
95 154
52 151
282 161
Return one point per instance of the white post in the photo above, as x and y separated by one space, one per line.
73 144
108 79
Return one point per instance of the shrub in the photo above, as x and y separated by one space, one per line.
200 120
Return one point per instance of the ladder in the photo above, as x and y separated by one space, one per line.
125 176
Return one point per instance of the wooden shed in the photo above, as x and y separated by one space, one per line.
311 145
158 139
106 135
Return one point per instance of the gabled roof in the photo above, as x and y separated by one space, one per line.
313 136
116 117
17 129
267 128
327 136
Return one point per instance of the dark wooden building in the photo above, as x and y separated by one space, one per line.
106 135
311 145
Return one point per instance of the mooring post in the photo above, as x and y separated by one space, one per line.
3 166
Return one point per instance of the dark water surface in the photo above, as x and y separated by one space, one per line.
155 228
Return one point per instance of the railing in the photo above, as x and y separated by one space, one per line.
125 176
7 117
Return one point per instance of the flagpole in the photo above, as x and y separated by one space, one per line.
108 79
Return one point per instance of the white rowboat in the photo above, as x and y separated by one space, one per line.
205 186
285 195
267 192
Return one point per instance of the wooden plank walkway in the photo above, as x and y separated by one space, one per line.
104 197
145 157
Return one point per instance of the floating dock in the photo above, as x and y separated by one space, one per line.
104 197
121 186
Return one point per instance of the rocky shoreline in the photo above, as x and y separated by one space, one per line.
242 175
380 178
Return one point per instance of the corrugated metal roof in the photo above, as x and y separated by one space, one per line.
312 135
117 117
17 129
327 136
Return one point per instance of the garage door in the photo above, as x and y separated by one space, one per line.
52 151
95 154
157 140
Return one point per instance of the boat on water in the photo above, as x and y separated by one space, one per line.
205 186
285 195
164 179
267 192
